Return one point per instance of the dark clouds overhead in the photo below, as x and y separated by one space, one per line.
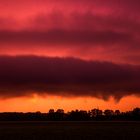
63 37
107 30
25 75
102 30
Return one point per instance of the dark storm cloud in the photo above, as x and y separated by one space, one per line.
63 37
25 75
105 28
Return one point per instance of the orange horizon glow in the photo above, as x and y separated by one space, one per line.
43 104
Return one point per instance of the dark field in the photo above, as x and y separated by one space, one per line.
69 130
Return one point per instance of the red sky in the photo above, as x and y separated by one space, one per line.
76 53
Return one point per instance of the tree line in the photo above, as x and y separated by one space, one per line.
74 115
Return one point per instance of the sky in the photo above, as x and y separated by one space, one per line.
70 54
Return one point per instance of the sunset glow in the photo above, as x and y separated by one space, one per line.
69 54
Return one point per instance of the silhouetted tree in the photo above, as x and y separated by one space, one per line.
77 115
136 113
117 112
51 111
108 112
96 112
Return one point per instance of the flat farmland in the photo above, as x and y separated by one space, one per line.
69 130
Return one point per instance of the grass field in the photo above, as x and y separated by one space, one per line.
69 130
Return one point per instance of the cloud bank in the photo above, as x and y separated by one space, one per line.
26 75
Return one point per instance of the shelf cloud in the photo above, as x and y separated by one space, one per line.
26 75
